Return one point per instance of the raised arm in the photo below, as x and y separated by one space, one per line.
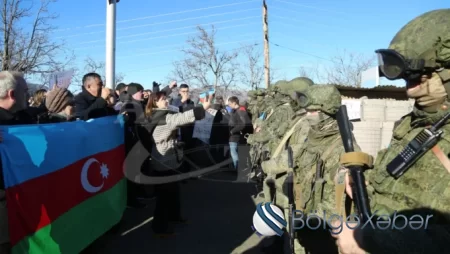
190 116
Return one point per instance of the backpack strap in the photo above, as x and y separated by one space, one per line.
286 138
269 115
441 157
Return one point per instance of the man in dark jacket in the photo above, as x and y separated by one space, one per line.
13 103
239 124
92 102
184 103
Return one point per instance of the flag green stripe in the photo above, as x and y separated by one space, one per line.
80 226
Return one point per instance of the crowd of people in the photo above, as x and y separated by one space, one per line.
295 141
164 124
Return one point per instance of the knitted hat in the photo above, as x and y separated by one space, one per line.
57 100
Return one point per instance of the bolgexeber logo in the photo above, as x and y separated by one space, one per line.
268 220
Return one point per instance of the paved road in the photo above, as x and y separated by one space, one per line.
220 213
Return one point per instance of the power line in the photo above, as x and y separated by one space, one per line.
146 69
159 15
284 35
169 30
172 46
311 7
296 20
180 28
160 23
167 36
180 48
301 52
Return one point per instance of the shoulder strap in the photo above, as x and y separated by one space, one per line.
269 115
441 157
286 138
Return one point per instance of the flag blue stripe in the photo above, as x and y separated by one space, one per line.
32 151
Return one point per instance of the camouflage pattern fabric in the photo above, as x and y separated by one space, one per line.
273 133
426 185
276 125
421 33
324 143
425 188
296 84
325 98
276 167
279 101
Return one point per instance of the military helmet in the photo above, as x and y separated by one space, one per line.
298 84
280 83
251 94
325 98
302 81
422 44
260 92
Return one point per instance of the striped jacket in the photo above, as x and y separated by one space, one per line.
166 152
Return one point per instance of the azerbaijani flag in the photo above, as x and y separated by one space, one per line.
64 183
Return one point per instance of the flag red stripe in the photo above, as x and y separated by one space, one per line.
36 203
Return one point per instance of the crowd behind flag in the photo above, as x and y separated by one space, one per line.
62 182
58 185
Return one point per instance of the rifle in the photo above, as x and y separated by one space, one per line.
290 182
357 181
254 164
421 144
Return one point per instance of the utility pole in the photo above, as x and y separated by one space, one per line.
110 63
266 46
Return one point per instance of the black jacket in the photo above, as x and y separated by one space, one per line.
88 106
238 125
186 131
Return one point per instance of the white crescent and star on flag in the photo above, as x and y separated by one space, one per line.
104 171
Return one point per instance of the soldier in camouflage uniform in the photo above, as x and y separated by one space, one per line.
260 104
292 131
424 188
318 168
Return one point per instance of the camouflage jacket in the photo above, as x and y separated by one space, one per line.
275 125
277 165
423 189
318 196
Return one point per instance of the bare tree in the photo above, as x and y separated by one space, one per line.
312 73
346 69
204 64
252 75
276 75
91 65
29 49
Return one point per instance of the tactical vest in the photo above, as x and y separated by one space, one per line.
315 195
425 184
